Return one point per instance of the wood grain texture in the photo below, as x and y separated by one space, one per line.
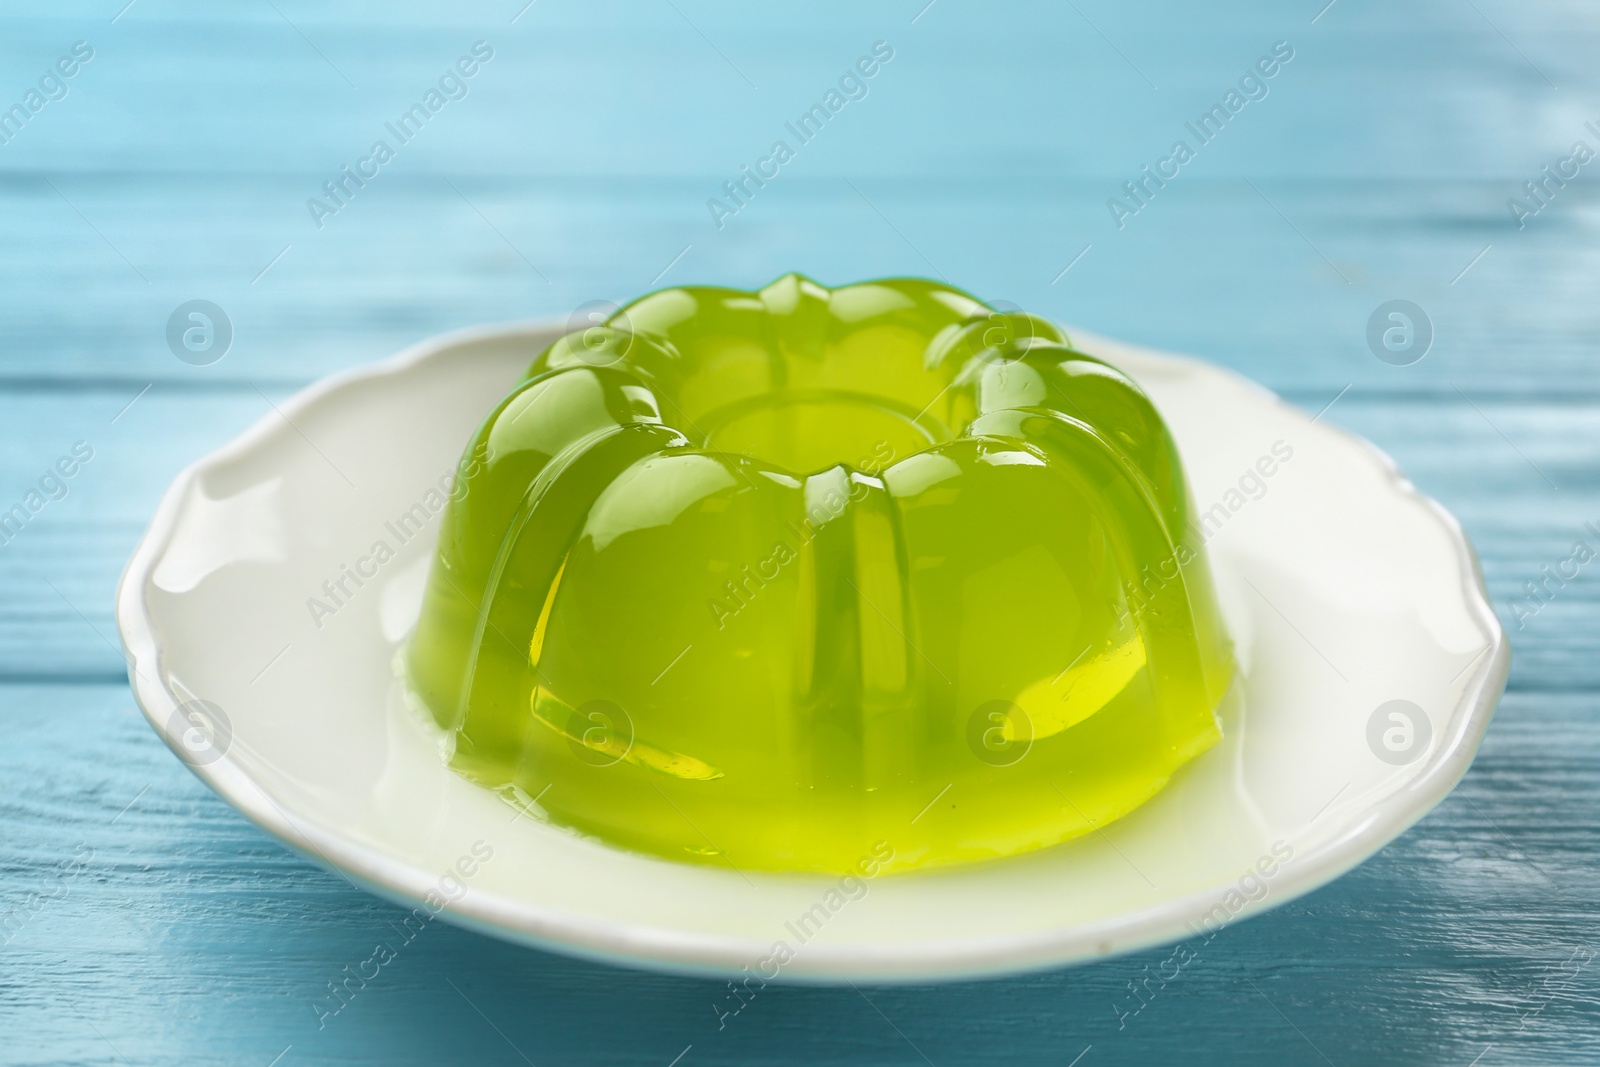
147 923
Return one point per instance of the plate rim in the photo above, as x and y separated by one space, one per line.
664 949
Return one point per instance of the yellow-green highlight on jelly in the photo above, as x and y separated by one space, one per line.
765 579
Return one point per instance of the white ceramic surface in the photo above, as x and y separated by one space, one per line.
1344 589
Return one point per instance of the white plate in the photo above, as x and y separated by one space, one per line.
1344 589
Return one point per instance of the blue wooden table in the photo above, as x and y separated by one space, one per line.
170 150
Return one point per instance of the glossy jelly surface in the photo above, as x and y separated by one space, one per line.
774 580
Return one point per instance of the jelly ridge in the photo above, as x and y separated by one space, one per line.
767 579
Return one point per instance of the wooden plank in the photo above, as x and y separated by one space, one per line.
1486 459
414 259
187 933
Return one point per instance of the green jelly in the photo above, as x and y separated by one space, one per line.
770 580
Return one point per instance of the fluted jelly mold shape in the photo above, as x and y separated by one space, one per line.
871 578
